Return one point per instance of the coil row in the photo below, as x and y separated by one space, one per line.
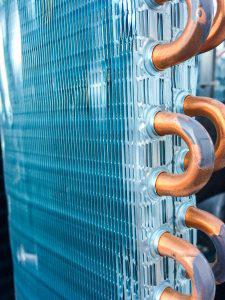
203 32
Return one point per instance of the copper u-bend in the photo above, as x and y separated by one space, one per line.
215 229
215 111
188 44
195 264
201 151
217 32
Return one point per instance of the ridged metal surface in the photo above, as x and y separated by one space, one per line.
74 95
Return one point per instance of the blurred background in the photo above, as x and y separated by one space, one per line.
211 83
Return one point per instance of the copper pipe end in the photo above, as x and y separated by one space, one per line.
215 229
214 111
201 164
194 263
191 40
217 33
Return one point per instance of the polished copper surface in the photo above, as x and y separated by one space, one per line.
190 41
217 32
215 111
161 2
201 163
202 220
215 229
185 254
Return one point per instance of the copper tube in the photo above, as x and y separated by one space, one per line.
201 162
161 2
215 111
196 266
200 18
215 229
217 32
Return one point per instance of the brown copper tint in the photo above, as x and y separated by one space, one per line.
217 33
195 265
201 162
161 2
215 111
215 229
190 41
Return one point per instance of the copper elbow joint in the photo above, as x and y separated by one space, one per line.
215 229
163 56
200 146
195 264
217 32
214 111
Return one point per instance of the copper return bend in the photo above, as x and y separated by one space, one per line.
201 151
188 44
214 111
195 264
217 32
215 229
